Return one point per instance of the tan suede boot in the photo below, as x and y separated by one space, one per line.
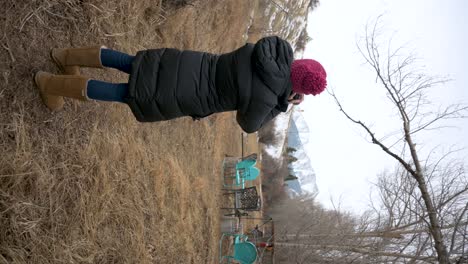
69 60
54 87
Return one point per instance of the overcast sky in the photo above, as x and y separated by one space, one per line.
344 161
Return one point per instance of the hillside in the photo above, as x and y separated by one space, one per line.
89 184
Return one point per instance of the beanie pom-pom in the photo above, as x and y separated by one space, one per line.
315 83
308 77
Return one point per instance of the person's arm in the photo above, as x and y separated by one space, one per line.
296 98
252 121
273 113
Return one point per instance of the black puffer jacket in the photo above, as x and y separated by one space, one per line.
254 80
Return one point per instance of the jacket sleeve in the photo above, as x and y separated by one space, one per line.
258 114
273 113
255 120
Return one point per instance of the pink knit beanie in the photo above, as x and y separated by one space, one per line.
308 77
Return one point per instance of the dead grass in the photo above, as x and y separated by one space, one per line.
89 184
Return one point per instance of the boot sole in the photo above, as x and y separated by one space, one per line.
73 70
59 65
36 81
36 75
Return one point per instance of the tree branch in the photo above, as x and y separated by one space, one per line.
373 138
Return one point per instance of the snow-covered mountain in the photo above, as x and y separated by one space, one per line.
291 129
297 138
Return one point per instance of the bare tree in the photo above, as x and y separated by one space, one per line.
407 90
395 231
308 233
401 213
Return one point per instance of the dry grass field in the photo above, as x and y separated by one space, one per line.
89 184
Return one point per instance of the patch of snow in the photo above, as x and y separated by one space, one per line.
281 127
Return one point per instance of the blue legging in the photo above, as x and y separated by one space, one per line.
114 92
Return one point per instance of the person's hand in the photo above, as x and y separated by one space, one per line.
299 98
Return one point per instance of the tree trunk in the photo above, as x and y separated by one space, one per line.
434 227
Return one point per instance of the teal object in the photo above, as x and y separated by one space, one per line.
252 174
245 164
245 171
248 174
244 252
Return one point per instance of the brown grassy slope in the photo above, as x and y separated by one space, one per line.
89 184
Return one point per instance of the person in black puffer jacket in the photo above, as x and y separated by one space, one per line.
258 81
